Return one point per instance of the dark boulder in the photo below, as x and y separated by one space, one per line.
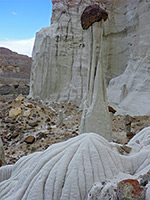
92 14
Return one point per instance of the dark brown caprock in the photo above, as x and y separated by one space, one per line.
92 14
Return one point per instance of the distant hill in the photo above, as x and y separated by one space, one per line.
14 66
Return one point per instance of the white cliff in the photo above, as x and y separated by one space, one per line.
129 93
60 55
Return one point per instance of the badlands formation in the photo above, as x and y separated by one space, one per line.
60 56
68 64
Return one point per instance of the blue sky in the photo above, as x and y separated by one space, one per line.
20 20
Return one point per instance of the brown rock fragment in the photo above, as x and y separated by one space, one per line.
1 163
14 135
126 148
19 98
92 14
14 112
130 189
41 135
123 149
30 139
111 109
33 124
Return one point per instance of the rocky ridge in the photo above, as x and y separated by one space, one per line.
14 73
14 66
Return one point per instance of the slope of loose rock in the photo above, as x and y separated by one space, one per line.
22 118
40 120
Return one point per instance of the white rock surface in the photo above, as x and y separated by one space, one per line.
102 192
2 157
108 189
95 117
67 170
129 93
60 55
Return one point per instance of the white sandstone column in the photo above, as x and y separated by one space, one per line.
95 117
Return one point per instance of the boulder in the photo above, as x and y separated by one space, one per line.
92 14
15 112
130 189
30 139
19 98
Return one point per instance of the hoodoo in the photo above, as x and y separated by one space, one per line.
95 117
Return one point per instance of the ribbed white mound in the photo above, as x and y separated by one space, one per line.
67 170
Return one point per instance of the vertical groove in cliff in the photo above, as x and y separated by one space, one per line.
72 60
81 75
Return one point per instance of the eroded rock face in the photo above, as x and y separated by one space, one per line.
60 55
129 92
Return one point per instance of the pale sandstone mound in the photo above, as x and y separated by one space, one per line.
64 171
67 170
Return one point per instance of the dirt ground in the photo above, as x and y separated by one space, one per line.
28 125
